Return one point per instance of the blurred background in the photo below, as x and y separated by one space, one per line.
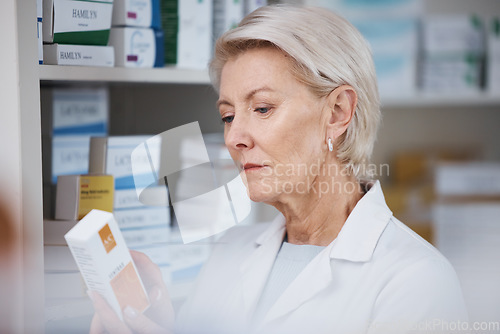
437 153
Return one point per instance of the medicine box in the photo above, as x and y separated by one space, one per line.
137 47
77 21
136 13
78 55
194 39
77 195
112 155
105 262
70 155
80 111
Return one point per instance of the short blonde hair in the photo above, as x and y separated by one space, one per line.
326 52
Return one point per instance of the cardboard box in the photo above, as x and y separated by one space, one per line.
112 155
142 217
79 55
105 262
80 111
54 231
70 155
77 195
227 15
137 47
194 41
128 199
77 21
136 13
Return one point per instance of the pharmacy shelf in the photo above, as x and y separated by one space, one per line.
425 100
167 75
172 75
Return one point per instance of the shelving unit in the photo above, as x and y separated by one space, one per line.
166 75
21 167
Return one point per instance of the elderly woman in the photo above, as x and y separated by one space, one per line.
298 96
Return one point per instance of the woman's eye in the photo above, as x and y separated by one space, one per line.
262 110
227 119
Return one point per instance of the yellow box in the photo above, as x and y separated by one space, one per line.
77 195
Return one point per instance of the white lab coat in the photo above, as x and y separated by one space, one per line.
377 276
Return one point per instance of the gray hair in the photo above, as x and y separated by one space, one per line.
326 52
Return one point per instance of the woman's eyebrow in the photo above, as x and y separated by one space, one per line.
247 97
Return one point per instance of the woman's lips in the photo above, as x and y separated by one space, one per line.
249 167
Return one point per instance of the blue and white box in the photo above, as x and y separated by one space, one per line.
136 13
137 47
77 114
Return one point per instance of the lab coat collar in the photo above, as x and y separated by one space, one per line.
358 237
360 234
356 242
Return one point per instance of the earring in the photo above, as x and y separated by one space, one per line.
330 145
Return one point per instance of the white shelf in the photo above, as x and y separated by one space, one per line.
172 75
124 75
424 100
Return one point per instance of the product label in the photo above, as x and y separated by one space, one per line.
81 16
128 289
96 192
107 238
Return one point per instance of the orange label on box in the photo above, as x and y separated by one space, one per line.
107 238
128 289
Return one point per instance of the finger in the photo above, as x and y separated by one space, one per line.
150 273
108 317
161 309
142 324
96 326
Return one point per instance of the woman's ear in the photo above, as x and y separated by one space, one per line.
342 105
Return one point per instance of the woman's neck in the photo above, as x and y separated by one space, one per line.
316 217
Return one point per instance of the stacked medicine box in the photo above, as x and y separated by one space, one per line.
391 29
75 32
144 227
467 231
136 34
77 115
453 53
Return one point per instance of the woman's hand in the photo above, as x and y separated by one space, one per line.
158 318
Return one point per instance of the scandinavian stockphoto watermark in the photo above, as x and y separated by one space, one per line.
207 191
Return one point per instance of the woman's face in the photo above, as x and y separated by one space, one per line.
274 125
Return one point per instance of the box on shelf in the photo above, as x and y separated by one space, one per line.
170 24
251 5
77 195
369 8
54 231
70 155
134 13
453 54
80 111
194 39
79 55
77 114
105 262
493 56
142 217
227 15
467 232
137 47
83 22
468 179
39 33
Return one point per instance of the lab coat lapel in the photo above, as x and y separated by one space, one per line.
256 268
356 242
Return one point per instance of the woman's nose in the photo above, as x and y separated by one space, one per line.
238 134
